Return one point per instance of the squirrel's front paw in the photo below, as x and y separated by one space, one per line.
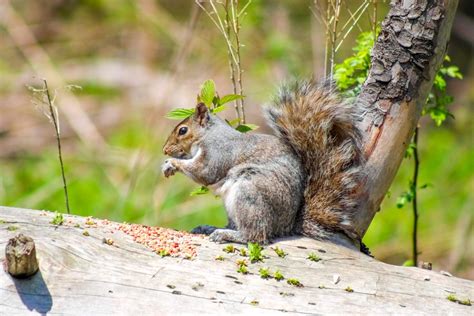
168 169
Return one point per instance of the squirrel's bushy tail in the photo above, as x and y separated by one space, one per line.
320 127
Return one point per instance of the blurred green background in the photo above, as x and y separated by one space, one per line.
136 60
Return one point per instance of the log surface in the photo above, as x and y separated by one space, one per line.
83 275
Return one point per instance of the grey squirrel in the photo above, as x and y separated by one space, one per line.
302 180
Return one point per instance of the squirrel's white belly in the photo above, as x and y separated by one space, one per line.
227 190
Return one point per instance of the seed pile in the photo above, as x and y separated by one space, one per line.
163 241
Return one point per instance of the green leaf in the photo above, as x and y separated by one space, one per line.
234 122
208 91
180 114
410 150
244 128
404 198
218 109
229 98
408 263
453 72
200 191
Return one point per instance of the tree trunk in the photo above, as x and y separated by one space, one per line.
105 272
408 52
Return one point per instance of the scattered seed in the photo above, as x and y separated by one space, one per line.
285 294
162 240
85 233
108 241
197 286
171 286
349 289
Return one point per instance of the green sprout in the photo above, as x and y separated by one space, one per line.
265 273
255 252
313 257
58 219
279 252
278 275
12 228
163 253
229 249
242 266
294 282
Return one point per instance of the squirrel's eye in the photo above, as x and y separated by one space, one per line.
182 130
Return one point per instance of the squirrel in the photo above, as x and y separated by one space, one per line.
301 180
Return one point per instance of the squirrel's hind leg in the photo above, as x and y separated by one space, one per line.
222 235
247 209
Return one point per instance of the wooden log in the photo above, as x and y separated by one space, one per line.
82 274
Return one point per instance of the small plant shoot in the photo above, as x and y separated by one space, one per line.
58 219
280 253
278 275
294 282
313 257
255 252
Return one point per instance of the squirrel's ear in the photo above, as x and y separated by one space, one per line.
201 115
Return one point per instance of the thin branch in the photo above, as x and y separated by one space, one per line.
231 64
352 26
54 119
414 201
236 30
374 19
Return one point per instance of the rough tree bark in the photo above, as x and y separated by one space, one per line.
408 52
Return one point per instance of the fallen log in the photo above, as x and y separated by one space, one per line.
88 266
